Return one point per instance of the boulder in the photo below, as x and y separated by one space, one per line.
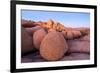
50 24
76 34
69 35
80 45
54 46
50 30
38 37
26 41
32 30
26 23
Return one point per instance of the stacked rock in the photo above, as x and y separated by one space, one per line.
49 38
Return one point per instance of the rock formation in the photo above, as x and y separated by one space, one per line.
53 46
53 40
69 33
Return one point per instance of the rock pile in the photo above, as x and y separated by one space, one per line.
52 39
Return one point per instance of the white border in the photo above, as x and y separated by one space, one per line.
20 65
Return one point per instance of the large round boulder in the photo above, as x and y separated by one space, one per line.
54 46
38 37
26 41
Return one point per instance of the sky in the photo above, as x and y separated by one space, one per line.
69 19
